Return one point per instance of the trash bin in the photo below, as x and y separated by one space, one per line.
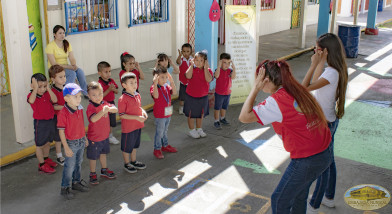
380 4
350 35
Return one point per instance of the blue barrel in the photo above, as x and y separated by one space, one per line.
380 4
350 35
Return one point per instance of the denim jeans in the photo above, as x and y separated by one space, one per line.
291 194
326 183
73 165
71 75
162 125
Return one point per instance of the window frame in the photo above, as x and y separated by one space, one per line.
266 9
69 30
131 19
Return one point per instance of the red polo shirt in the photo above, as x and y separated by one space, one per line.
105 85
183 68
100 129
60 97
163 101
223 82
197 85
131 105
72 122
42 107
135 71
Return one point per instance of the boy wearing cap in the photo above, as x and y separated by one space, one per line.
70 123
40 99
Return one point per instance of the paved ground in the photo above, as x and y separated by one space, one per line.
233 170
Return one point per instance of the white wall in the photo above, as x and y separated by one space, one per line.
345 9
144 41
312 14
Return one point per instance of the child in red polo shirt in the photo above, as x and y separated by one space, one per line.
161 93
199 76
57 75
132 120
98 131
129 64
183 60
109 89
223 75
73 137
40 100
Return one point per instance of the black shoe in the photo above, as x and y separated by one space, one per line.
80 186
224 122
67 193
60 161
217 125
138 165
129 168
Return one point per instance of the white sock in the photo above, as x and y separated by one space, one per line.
110 135
192 129
59 155
217 120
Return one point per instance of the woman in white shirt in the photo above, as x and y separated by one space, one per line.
329 86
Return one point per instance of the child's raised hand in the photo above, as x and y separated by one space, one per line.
48 86
191 62
170 77
137 65
220 63
232 64
156 63
170 61
260 79
206 64
34 84
179 52
155 79
105 109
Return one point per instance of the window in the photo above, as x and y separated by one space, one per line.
148 11
267 4
312 2
90 15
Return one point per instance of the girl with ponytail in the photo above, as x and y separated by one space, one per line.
299 120
330 86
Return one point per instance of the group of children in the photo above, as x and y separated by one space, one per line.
58 114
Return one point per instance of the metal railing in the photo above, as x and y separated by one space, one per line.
148 12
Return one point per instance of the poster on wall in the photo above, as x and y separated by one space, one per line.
241 44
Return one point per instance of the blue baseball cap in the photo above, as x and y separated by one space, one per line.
71 89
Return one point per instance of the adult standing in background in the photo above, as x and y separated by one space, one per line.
59 51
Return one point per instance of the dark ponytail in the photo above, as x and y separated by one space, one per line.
65 42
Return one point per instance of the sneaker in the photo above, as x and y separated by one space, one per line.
311 210
67 193
217 125
201 133
46 168
60 160
93 178
181 110
169 148
107 173
328 202
138 165
193 133
80 186
113 140
129 168
224 122
50 162
158 153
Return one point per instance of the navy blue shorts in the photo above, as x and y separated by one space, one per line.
56 131
182 94
44 131
130 141
221 101
112 116
196 107
94 150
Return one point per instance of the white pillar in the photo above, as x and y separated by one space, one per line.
333 16
356 11
19 65
302 25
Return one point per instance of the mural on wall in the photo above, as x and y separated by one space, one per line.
214 11
35 36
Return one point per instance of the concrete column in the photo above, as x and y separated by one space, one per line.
323 19
302 24
333 16
19 65
372 14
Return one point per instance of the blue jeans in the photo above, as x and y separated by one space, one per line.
73 165
162 125
71 75
326 183
291 194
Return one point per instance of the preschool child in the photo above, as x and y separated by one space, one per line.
199 76
166 62
161 93
109 89
129 64
223 76
183 60
98 113
72 133
132 121
57 75
40 99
